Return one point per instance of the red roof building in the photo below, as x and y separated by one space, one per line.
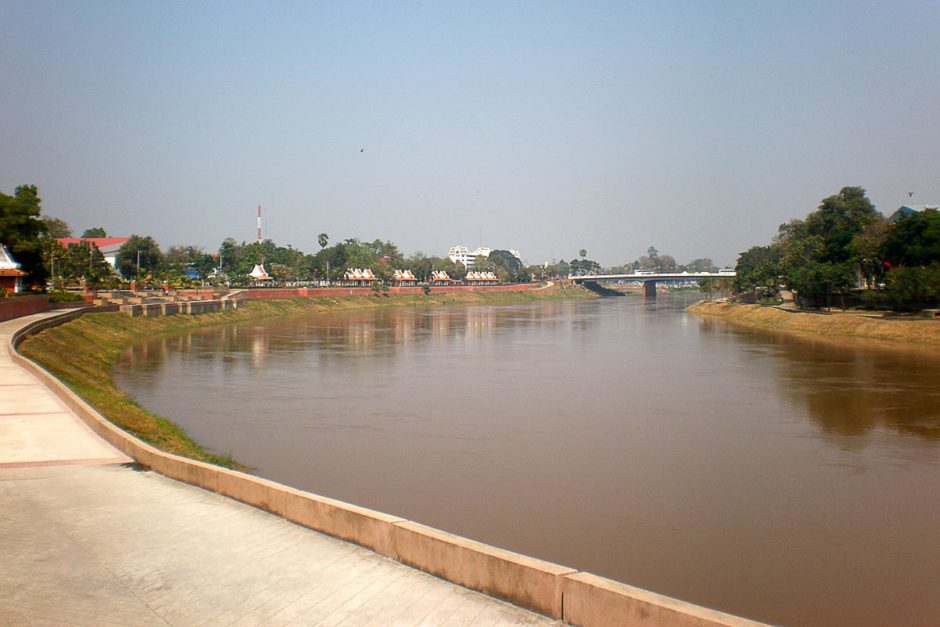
11 277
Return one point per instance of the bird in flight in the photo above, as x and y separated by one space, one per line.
909 194
362 150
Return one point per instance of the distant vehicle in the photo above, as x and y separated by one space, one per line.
726 271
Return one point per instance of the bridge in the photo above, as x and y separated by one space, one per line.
650 279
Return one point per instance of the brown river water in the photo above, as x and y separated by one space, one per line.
788 479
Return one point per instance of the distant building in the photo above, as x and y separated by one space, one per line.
358 276
481 278
11 277
440 277
405 277
258 273
109 246
462 254
909 210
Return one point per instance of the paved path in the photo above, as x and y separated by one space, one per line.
89 539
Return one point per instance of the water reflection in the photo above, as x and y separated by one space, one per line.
378 332
757 473
850 387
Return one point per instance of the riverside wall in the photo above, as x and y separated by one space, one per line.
18 306
293 292
557 591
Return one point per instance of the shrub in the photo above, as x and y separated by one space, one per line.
874 299
915 287
62 296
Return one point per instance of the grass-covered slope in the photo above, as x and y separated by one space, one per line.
894 328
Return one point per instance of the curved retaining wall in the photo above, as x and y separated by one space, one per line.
550 589
19 306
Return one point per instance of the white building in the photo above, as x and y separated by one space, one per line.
462 254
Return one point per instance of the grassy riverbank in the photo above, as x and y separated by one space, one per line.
848 324
82 353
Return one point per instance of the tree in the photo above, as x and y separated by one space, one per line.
482 263
700 265
818 257
838 220
420 265
21 229
582 253
229 255
666 263
84 262
580 267
182 261
453 269
323 239
867 249
283 272
139 252
94 232
510 266
915 287
56 228
757 272
914 241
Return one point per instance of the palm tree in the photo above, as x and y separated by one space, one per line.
323 239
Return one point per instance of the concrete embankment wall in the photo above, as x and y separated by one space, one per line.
169 308
554 590
292 292
18 306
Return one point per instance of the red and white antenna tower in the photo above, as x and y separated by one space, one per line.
259 224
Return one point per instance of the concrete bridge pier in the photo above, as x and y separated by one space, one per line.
649 289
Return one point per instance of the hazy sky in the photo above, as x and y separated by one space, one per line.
696 127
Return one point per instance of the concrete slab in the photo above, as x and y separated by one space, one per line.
28 399
12 374
108 544
53 437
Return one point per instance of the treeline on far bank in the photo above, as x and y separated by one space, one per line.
32 240
847 254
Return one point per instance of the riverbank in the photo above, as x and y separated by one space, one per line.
904 329
82 353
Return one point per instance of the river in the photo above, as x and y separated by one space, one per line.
787 479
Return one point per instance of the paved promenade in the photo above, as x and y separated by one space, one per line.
87 538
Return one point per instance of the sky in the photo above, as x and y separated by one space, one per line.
545 127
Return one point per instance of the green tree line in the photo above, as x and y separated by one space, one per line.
846 251
31 239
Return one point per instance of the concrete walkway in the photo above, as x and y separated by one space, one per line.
88 538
